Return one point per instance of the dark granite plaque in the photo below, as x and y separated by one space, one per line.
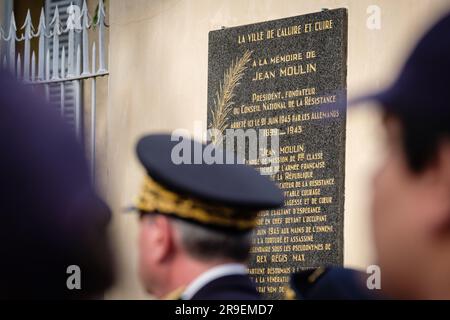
290 75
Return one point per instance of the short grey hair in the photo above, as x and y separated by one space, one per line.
210 244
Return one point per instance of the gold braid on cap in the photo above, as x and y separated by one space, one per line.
155 198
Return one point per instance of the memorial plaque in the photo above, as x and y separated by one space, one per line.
287 77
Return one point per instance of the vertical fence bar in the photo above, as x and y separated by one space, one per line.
12 44
61 85
28 26
18 67
33 67
56 32
71 47
93 115
85 27
47 75
78 111
41 52
101 36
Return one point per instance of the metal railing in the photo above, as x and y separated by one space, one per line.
53 67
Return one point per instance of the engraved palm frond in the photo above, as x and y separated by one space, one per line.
223 101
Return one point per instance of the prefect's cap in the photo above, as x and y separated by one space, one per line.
217 195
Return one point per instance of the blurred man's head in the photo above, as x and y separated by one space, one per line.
412 213
50 216
411 209
166 244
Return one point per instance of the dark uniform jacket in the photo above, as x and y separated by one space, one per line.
331 283
231 287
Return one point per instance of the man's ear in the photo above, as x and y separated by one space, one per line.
163 237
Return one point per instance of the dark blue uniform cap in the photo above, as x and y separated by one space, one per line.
211 193
423 85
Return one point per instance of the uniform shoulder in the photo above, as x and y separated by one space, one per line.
330 283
